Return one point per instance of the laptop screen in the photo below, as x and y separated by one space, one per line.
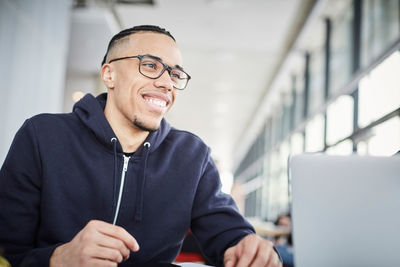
345 210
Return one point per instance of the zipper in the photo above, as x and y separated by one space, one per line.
121 187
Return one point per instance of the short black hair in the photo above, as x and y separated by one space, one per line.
135 29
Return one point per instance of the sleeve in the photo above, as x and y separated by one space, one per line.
216 221
20 190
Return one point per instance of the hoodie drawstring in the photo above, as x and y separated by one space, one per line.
139 195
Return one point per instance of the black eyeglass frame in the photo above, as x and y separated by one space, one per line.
165 67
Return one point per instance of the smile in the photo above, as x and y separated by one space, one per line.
155 101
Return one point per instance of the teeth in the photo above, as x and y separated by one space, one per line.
157 102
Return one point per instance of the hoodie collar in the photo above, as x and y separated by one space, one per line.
90 111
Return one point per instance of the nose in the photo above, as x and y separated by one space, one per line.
164 81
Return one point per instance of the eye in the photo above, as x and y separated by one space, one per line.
149 65
177 75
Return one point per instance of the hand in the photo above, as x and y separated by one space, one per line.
252 251
98 244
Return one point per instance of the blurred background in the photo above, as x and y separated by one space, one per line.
270 78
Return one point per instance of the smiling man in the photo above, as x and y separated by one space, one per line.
112 183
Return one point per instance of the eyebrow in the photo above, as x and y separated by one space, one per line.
160 59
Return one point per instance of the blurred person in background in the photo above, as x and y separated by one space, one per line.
284 243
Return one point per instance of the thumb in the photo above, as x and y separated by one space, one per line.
230 257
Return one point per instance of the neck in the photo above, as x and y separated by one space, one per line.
129 136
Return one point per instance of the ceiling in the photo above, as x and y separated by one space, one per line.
231 48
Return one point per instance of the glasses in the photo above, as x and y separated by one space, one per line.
152 67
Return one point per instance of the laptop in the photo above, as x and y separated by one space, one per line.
345 210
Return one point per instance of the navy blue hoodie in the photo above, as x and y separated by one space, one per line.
64 170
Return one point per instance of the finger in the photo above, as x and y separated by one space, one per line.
101 263
105 253
274 259
263 254
117 232
230 257
249 250
91 235
113 243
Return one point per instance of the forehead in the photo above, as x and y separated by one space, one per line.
155 44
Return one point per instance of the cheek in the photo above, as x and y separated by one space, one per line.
172 101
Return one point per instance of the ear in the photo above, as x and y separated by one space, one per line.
107 75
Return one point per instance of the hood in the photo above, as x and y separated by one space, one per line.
90 111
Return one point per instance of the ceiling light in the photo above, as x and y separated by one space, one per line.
147 2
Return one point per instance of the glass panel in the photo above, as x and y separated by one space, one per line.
266 188
271 192
276 126
282 196
296 143
285 123
341 50
275 163
284 155
283 193
268 132
379 92
383 140
339 119
258 202
317 90
343 148
250 204
380 27
277 195
315 134
299 100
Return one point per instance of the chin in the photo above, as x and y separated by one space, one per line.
146 126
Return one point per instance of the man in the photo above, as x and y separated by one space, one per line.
112 182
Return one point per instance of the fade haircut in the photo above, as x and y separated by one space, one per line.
142 28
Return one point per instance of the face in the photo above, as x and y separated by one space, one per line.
284 221
134 99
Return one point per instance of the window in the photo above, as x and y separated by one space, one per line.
315 134
317 91
299 100
276 126
343 148
250 204
292 128
271 191
379 92
382 140
296 143
286 115
380 27
339 119
341 50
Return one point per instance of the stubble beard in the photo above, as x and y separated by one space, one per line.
139 124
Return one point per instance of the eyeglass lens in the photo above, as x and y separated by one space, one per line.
153 68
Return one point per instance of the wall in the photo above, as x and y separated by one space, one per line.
33 52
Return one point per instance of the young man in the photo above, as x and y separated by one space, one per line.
112 182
